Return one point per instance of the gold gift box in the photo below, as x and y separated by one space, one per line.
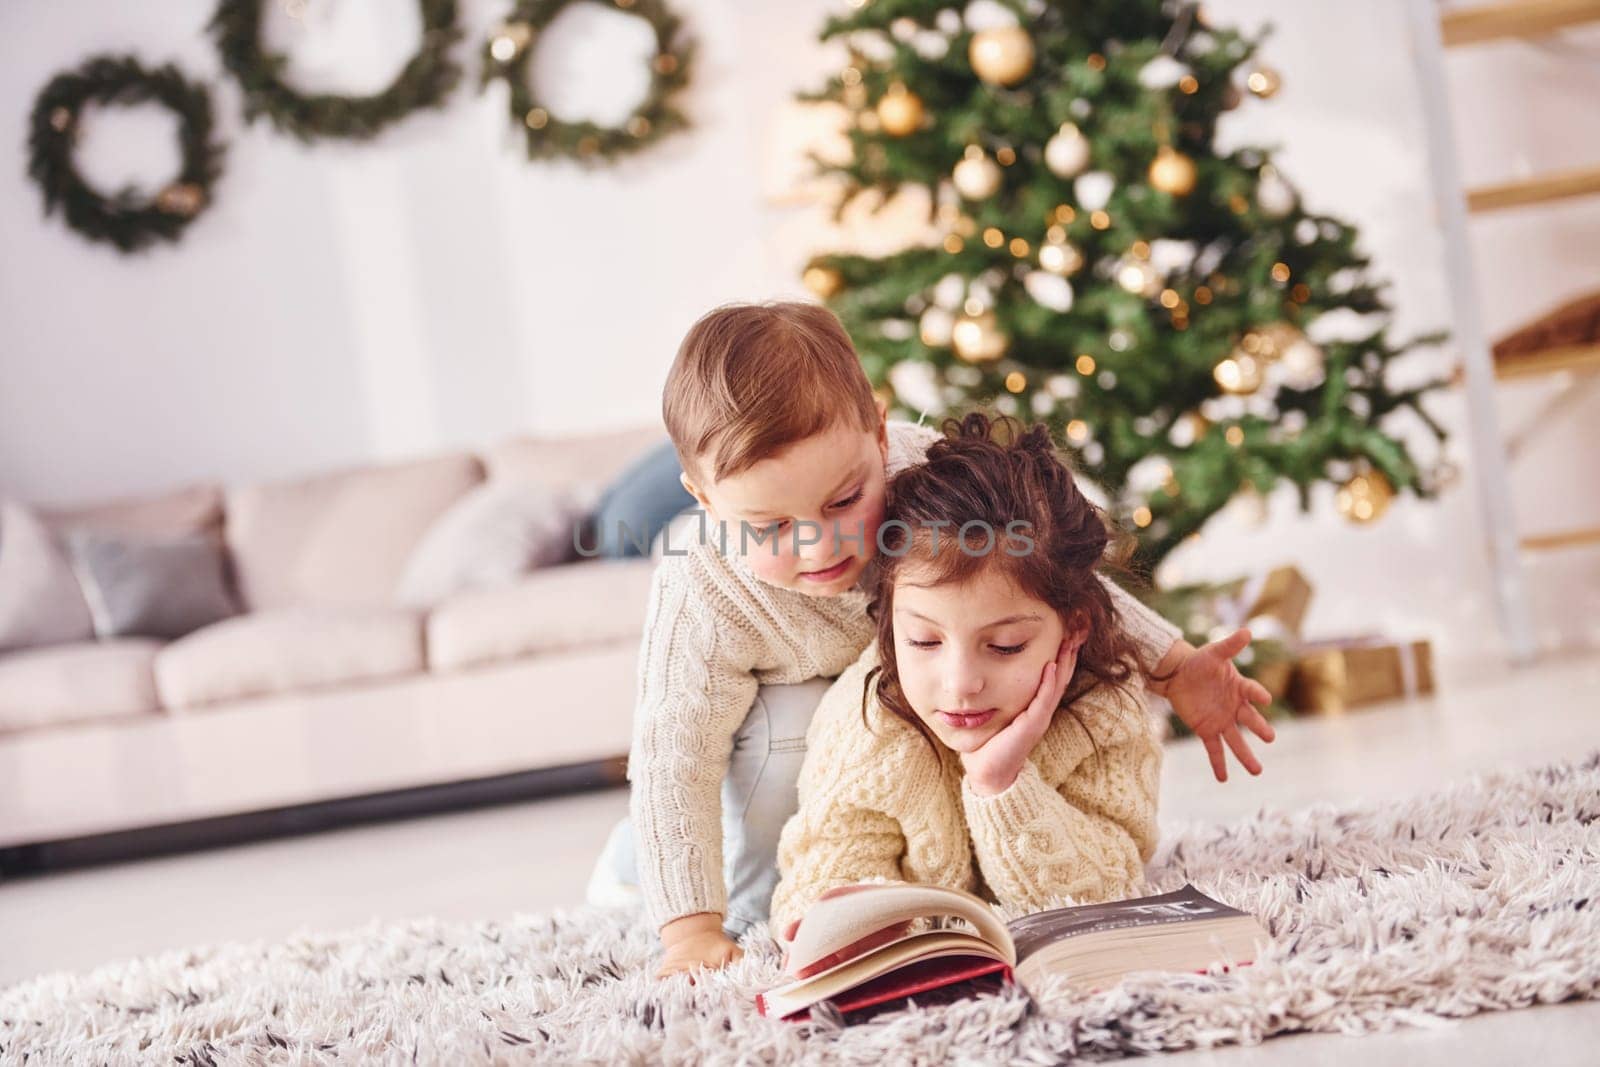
1332 677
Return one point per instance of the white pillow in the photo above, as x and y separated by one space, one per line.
41 602
495 534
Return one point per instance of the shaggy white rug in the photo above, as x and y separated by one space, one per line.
1480 898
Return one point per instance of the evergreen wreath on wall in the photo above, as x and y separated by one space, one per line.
425 81
508 57
128 219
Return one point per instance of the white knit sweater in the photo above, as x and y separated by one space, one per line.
878 802
714 633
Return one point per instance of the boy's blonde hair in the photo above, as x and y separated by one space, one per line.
750 380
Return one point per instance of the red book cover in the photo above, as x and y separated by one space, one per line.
909 981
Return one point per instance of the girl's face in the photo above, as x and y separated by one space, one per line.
970 655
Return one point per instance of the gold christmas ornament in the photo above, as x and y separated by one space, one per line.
979 338
1060 257
1172 172
1239 374
1002 55
1264 82
900 111
977 177
1066 154
1365 497
823 281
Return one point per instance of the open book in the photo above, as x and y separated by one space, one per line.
1087 947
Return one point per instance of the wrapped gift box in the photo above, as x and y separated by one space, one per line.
1330 677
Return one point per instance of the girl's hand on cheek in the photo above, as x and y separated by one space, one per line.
994 765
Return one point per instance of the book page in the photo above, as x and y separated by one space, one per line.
1030 933
832 924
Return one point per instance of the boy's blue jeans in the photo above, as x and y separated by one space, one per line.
758 796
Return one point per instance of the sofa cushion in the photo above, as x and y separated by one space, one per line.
585 465
574 605
141 586
77 682
41 602
494 535
339 539
285 650
176 513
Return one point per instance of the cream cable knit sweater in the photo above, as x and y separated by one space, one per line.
878 803
714 633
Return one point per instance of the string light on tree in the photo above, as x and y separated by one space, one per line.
1002 55
1240 374
1059 255
510 41
1264 82
1137 274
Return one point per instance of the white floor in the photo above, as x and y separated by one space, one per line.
536 856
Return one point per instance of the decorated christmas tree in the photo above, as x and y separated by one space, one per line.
1094 261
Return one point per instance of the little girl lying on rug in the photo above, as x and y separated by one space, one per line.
993 737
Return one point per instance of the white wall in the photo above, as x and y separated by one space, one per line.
344 302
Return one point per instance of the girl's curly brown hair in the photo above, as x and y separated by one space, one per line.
992 470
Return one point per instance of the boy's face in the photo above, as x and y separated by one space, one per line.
827 489
971 655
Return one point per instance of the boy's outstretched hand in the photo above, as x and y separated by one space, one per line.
1214 700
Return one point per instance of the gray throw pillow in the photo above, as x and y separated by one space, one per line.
493 535
150 587
40 602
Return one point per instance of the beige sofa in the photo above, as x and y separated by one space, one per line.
325 688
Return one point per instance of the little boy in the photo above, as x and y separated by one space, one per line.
788 452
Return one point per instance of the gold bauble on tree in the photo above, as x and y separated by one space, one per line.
823 281
1002 55
900 111
979 338
977 177
1172 172
1365 497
